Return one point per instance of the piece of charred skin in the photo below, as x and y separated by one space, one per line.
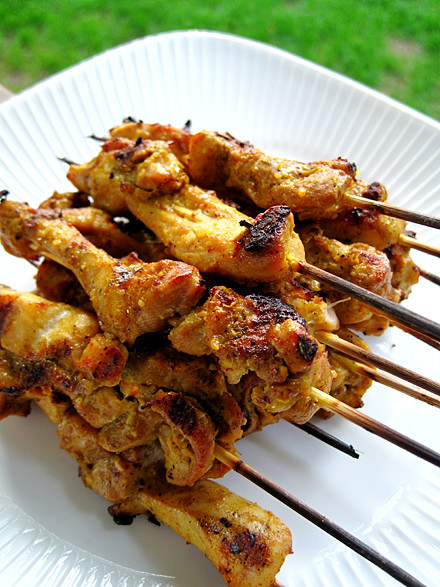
199 229
129 296
311 190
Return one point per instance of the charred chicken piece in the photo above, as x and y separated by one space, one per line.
247 544
197 377
309 189
309 304
199 229
261 335
129 296
195 225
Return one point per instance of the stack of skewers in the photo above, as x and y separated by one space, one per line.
190 292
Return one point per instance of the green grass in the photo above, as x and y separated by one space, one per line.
391 45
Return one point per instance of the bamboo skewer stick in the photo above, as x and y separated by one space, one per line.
328 438
413 243
390 381
420 335
322 522
366 356
396 312
392 210
429 276
337 407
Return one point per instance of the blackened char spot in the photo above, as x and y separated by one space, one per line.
267 229
180 412
373 192
307 347
4 311
275 309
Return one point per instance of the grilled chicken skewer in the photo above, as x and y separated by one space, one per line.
312 190
98 465
198 228
69 213
358 224
205 514
247 544
130 297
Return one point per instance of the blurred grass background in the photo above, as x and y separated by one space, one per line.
390 45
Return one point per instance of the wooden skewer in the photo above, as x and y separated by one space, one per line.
366 356
413 243
322 522
429 276
420 335
328 438
337 407
392 210
396 312
390 381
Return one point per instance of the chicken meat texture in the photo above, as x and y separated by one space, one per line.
358 263
246 543
130 297
261 336
66 352
177 139
195 225
310 190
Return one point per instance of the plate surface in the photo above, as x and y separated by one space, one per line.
52 527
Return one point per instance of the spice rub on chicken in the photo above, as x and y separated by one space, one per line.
129 296
314 189
246 543
259 335
195 225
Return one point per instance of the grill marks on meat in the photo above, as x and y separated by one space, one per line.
129 296
261 335
246 545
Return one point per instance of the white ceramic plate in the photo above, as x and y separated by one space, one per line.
52 529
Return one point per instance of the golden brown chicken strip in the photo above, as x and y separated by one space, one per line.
309 189
129 296
145 164
176 138
245 543
194 224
